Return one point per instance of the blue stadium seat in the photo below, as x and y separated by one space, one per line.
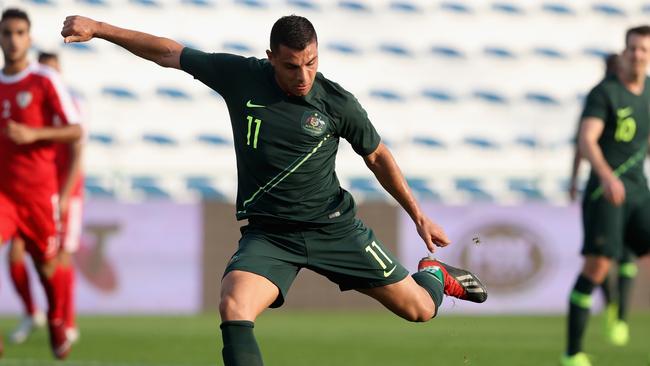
94 2
428 142
342 47
439 95
147 3
490 97
528 187
541 98
472 186
101 138
507 8
354 6
366 186
549 52
174 93
119 93
78 46
95 189
304 4
608 9
204 186
41 2
404 6
252 3
420 187
527 141
596 52
159 139
395 49
499 52
455 7
201 3
212 139
388 95
237 47
448 52
480 142
558 9
149 186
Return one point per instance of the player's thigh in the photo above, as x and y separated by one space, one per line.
350 255
603 225
39 227
8 218
272 256
245 295
638 227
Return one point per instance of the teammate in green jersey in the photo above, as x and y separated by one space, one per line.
614 136
287 120
617 295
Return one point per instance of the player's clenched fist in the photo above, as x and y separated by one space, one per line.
79 29
21 134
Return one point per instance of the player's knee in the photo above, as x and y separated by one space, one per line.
419 313
231 308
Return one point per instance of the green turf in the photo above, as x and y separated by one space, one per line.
341 339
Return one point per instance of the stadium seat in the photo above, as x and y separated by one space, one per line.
237 47
394 49
147 3
149 187
527 187
499 52
422 189
447 52
356 6
508 8
558 9
367 187
404 6
541 98
480 142
200 3
439 95
172 93
159 139
549 52
388 95
343 47
608 9
472 187
95 189
455 7
214 140
80 47
119 92
304 4
252 3
205 188
492 97
102 138
429 142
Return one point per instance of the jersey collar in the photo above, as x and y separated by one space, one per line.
12 79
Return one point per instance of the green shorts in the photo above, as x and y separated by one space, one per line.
347 253
609 229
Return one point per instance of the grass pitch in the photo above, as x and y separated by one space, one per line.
290 338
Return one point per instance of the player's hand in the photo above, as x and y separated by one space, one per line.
614 190
21 134
79 29
432 234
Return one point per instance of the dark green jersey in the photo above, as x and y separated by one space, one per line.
285 146
624 141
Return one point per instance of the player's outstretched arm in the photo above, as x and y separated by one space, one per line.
590 131
22 134
384 167
163 51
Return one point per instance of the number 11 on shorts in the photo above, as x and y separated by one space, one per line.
372 251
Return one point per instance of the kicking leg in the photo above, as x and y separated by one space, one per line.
244 296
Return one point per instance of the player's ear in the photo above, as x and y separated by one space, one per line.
269 55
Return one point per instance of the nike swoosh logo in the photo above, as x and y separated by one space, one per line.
249 104
386 274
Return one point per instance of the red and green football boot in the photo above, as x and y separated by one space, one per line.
458 283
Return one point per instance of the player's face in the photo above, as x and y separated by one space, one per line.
295 70
637 53
15 39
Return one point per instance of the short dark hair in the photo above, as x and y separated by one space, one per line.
15 13
293 31
44 56
643 30
611 64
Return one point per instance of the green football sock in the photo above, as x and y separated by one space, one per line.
433 282
239 344
627 272
579 305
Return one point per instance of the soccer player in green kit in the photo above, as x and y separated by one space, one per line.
614 134
287 120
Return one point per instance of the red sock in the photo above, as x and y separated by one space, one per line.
68 307
20 279
55 289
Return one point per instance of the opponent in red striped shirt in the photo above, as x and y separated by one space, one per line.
31 98
70 181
